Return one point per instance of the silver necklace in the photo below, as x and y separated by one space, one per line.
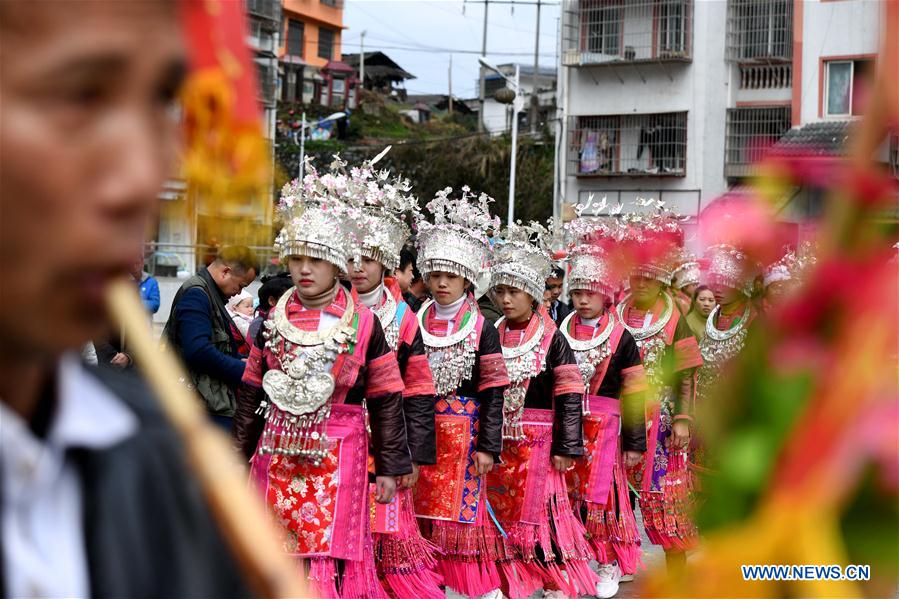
718 348
301 390
452 357
712 331
387 316
523 362
641 333
590 353
649 342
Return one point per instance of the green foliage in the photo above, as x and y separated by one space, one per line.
440 153
753 414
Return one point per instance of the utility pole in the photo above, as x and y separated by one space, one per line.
450 97
483 54
362 61
534 101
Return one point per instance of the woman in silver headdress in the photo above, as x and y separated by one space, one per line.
470 377
325 366
614 420
541 430
730 275
405 560
685 280
670 357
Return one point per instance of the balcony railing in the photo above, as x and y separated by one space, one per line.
750 133
766 76
759 30
604 32
632 145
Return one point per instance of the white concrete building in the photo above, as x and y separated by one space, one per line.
676 99
497 116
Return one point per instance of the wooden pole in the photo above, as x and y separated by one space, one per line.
241 515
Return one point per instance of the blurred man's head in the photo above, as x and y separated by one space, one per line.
233 269
554 283
88 134
406 272
136 269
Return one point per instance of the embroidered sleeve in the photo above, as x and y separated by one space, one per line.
686 354
493 373
633 380
252 374
567 379
417 379
383 376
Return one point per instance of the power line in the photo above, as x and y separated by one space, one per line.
498 25
454 51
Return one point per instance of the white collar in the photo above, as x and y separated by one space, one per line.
87 413
373 297
449 311
590 322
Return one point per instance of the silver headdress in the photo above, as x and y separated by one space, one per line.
729 266
590 269
793 266
314 219
653 238
688 272
522 259
380 206
457 240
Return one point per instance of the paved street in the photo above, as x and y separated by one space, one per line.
653 557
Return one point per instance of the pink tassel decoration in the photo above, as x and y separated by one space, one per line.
570 538
612 527
360 579
406 560
469 554
323 576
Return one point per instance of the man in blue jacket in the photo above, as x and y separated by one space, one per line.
201 330
149 286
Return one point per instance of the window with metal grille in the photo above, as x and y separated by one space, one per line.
267 82
295 37
628 145
597 32
267 9
670 16
325 43
760 30
603 25
750 133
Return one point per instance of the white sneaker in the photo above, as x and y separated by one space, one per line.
554 594
609 577
627 578
494 594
